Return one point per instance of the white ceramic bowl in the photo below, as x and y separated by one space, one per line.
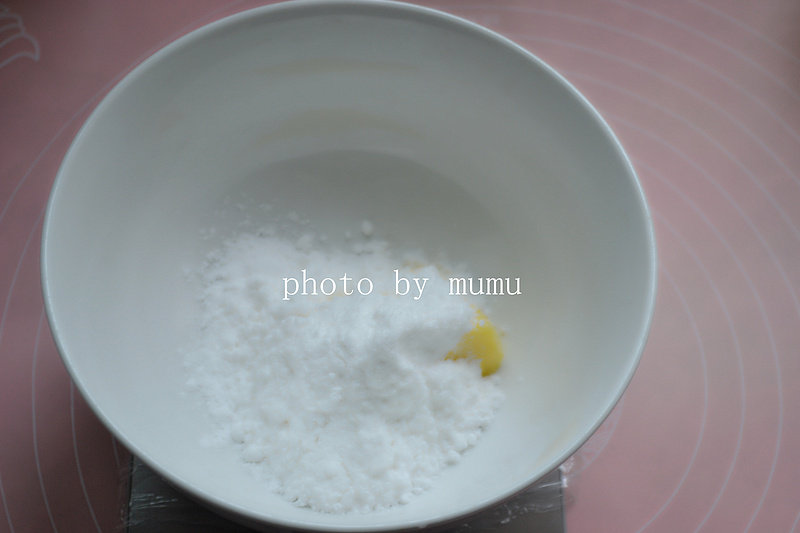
445 135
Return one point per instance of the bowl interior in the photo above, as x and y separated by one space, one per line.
443 135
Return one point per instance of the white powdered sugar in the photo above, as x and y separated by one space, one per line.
345 402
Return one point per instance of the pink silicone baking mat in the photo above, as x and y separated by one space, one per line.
705 97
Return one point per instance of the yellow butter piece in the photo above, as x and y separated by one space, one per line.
481 342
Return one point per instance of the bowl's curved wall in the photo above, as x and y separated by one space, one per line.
527 179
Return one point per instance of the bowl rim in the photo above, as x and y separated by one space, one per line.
389 9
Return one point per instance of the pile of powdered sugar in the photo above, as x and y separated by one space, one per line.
341 403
